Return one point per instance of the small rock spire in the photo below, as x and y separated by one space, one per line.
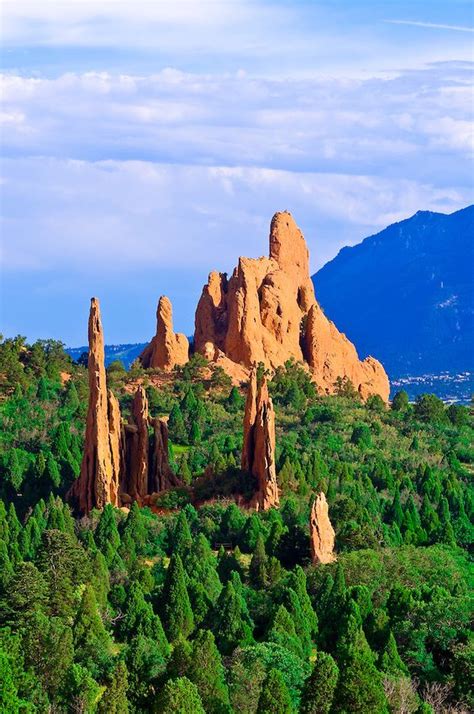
322 536
167 349
258 451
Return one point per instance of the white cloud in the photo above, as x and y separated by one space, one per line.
127 214
432 25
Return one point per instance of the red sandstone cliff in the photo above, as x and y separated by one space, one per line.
267 312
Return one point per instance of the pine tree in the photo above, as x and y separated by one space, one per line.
177 613
176 426
229 623
182 538
92 643
390 661
71 398
283 632
319 688
114 700
106 534
207 673
359 689
258 566
201 566
274 697
180 695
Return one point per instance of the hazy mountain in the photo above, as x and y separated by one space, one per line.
405 295
125 353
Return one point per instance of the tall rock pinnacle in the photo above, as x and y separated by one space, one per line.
262 314
258 451
138 446
98 482
322 536
167 348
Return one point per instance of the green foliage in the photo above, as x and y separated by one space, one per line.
180 695
274 698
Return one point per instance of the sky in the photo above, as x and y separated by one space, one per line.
145 144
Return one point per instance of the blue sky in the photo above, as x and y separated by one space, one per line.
145 144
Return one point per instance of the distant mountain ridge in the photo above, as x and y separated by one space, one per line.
126 353
405 295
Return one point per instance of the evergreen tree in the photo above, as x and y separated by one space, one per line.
319 688
180 695
229 624
390 661
106 534
274 698
359 689
177 613
207 673
283 632
182 538
176 426
114 700
92 643
258 574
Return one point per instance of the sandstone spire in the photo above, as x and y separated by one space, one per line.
322 534
167 349
258 451
262 314
161 475
138 446
98 482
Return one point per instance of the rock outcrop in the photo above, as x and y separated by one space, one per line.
161 475
262 314
331 355
98 482
167 349
121 462
321 532
138 445
258 451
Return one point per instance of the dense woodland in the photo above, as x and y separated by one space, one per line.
199 605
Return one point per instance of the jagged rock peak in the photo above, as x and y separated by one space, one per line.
258 451
267 312
322 536
167 348
98 482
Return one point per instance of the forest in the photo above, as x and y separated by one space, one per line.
196 603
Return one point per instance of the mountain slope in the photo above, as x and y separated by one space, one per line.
405 295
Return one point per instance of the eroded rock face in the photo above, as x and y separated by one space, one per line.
322 534
261 314
161 475
98 482
331 355
138 445
258 451
167 349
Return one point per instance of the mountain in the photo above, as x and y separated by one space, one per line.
405 295
125 353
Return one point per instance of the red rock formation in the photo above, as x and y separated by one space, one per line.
138 446
167 349
322 534
98 482
161 475
258 451
331 355
261 315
